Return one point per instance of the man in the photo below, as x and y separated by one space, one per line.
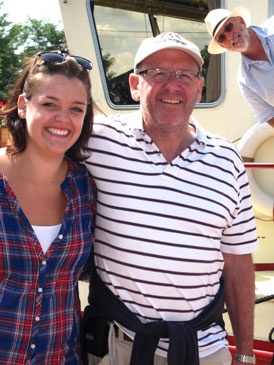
173 216
231 31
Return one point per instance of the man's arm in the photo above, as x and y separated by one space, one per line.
262 111
240 298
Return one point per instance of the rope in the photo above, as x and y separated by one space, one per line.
271 340
264 299
259 300
270 335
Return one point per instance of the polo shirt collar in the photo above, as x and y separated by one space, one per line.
136 123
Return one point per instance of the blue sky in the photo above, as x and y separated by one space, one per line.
19 10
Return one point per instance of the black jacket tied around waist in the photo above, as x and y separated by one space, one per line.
183 343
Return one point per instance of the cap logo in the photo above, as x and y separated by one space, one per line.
167 37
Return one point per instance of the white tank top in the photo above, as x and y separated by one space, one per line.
46 235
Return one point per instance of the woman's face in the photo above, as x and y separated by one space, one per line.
54 114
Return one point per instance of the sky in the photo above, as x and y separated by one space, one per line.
19 10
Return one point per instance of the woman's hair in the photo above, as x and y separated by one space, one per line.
26 83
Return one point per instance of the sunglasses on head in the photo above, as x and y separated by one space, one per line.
222 37
56 57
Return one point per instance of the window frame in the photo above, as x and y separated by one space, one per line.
133 107
270 8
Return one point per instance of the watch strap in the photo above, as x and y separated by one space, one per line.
245 359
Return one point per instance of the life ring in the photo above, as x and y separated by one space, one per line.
247 146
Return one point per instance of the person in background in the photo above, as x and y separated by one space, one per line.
47 204
175 227
231 31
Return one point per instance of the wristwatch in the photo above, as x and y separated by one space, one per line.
245 359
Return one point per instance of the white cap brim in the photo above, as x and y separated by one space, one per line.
152 45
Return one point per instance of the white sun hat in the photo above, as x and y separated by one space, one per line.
215 20
164 41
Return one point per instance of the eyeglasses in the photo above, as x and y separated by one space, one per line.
162 75
55 57
222 37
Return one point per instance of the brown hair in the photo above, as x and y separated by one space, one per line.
26 83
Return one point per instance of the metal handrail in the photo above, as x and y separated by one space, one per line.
259 165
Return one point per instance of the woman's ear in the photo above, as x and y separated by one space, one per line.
134 86
21 106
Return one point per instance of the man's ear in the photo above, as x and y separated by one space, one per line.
241 20
134 86
200 90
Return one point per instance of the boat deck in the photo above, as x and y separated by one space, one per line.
264 287
264 283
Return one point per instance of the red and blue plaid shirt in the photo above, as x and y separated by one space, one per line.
39 301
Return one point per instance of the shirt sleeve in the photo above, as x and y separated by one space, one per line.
240 236
86 271
261 110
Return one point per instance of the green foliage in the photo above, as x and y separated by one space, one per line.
206 56
9 61
38 35
2 121
108 61
18 41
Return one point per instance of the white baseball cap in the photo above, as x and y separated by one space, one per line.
164 41
215 20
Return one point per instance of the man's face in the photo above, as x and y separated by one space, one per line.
167 103
233 35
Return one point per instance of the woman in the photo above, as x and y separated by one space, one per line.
47 208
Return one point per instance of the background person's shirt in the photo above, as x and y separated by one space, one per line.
256 78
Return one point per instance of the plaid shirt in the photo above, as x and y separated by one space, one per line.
39 301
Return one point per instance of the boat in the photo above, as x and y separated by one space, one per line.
108 32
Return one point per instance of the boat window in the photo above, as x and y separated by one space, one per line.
270 7
121 25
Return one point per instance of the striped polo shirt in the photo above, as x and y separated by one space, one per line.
161 227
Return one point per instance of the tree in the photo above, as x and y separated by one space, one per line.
39 35
18 41
9 61
108 61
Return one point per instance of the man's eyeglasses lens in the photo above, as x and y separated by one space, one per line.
222 37
161 75
54 57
